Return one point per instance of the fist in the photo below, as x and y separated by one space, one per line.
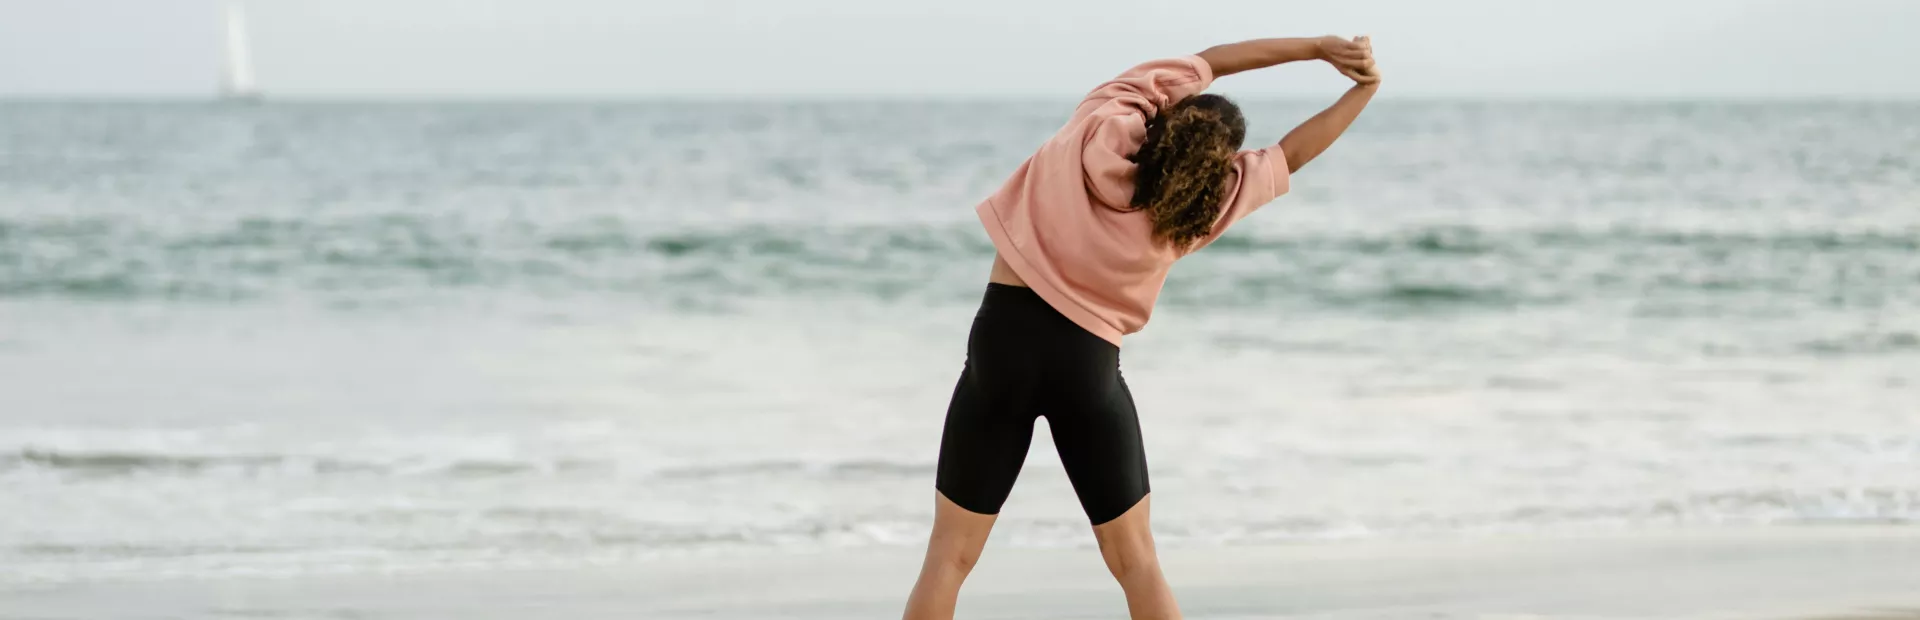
1354 59
1343 51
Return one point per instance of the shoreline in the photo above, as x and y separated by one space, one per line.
1803 573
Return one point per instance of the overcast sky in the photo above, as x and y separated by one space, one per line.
983 48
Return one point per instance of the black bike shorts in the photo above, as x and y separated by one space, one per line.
1025 360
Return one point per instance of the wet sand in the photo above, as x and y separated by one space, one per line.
1805 573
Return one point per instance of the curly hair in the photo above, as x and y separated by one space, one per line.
1181 181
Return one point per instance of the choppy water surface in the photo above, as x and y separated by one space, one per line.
292 338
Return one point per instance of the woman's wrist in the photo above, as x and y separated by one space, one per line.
1232 58
1276 52
1329 47
1305 49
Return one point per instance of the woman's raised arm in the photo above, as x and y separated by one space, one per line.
1244 56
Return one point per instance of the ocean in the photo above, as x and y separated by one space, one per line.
307 338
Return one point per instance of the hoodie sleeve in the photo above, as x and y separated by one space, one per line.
1145 89
1262 176
1112 121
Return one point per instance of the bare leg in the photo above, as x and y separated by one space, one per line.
1126 543
958 536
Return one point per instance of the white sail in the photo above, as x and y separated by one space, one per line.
238 81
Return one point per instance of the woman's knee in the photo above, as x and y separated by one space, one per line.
1128 555
964 559
1126 543
956 556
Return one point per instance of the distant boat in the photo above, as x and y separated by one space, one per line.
236 82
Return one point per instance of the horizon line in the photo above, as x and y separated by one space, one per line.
267 97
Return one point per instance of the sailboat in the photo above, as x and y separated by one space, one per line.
236 82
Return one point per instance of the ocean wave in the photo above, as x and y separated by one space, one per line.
129 462
580 531
836 469
117 463
122 463
394 257
116 550
1470 241
1865 343
1441 294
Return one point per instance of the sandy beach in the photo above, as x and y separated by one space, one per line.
1611 356
1788 574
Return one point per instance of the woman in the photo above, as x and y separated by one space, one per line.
1147 171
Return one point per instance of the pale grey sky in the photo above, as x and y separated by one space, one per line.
985 48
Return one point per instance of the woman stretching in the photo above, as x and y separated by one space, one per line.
1147 171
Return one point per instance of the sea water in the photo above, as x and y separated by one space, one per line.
293 338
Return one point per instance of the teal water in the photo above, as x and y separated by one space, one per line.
311 337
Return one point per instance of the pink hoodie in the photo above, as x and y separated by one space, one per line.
1063 221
